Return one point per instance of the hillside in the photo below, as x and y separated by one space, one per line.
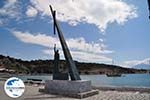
13 65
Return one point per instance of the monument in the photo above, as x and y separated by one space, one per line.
74 75
57 75
61 85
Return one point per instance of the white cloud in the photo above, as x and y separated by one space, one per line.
82 56
9 9
131 63
78 44
101 40
39 39
1 22
31 11
80 49
90 57
97 12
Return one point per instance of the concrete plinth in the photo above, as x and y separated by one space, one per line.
77 89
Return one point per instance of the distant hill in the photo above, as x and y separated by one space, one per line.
143 65
10 64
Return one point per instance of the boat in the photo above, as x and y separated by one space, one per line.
113 75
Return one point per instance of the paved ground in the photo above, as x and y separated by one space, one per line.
31 93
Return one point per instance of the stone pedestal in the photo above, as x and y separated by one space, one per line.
77 89
60 76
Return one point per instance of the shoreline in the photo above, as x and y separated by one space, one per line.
5 76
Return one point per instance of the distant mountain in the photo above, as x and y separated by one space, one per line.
143 65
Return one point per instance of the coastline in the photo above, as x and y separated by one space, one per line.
128 81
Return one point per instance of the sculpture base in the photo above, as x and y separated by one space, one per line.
60 76
76 89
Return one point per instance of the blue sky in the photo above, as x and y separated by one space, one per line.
96 30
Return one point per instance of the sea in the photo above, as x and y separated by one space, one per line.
126 80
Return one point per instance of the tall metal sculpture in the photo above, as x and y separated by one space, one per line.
71 65
149 7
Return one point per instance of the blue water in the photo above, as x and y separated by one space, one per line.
127 80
